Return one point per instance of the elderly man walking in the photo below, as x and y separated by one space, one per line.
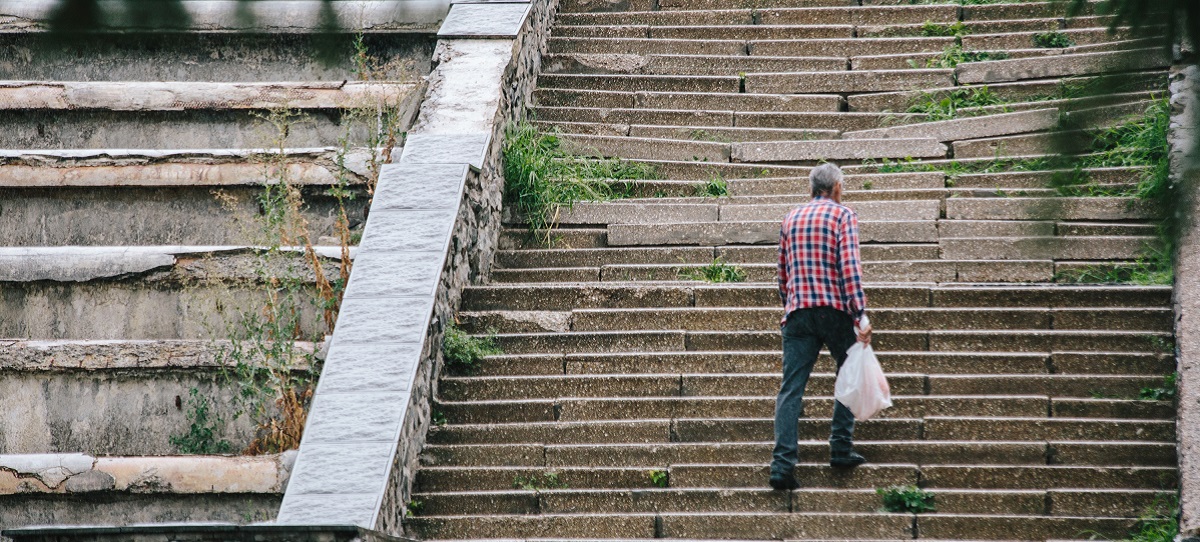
820 283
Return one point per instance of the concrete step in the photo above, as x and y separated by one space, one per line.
95 395
848 47
640 83
847 81
738 117
1039 90
549 297
1042 179
1048 248
727 362
716 134
795 151
79 489
1061 65
660 212
919 452
968 128
645 46
756 225
151 197
241 57
683 64
932 180
1083 208
1022 40
790 16
688 526
189 292
766 319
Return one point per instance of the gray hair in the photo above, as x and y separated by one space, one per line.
824 177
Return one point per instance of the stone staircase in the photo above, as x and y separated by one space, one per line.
131 237
632 404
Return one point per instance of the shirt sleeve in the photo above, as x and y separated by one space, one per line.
781 277
849 256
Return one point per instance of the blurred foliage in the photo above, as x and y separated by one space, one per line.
1167 20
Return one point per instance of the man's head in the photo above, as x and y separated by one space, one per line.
826 180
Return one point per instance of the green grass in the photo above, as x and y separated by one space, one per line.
955 55
539 176
717 271
1052 40
955 168
906 499
463 353
947 105
937 30
1158 523
547 480
1147 272
1166 392
659 477
713 188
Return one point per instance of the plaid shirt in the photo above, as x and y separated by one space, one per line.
819 262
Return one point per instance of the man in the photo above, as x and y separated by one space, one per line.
820 283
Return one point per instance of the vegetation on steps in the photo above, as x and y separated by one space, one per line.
949 105
1052 40
716 272
536 482
954 55
463 353
540 177
1166 392
906 499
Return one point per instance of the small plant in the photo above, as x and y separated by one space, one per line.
200 438
934 30
955 55
868 185
659 477
414 508
946 106
1052 40
715 187
717 271
1166 392
1159 522
539 176
547 480
463 353
1149 272
438 418
906 499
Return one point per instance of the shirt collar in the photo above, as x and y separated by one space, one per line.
817 199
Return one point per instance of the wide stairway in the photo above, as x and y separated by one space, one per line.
633 403
144 177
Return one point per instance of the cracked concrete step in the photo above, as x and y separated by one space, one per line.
933 180
766 319
719 101
44 488
1019 91
757 225
516 410
575 296
190 292
187 115
1090 249
695 526
848 47
683 64
951 341
847 81
644 46
793 151
727 362
1121 503
739 117
1061 65
1043 179
718 134
921 452
793 16
1079 208
93 395
650 213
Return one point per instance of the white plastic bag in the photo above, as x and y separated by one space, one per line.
861 385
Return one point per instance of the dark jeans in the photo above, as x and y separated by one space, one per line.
803 334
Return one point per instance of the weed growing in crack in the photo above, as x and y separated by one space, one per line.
1165 392
463 353
949 105
201 437
717 271
936 30
906 499
955 55
715 187
546 480
1052 40
540 177
659 477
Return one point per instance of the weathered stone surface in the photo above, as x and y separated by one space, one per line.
1060 65
968 128
486 20
847 81
151 96
837 150
444 148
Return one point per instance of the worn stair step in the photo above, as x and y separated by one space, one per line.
870 252
1022 40
1033 477
1019 91
624 408
1056 385
722 17
847 81
752 32
889 211
759 225
637 83
848 47
776 16
938 428
606 501
645 431
716 4
192 292
1023 10
635 31
642 45
651 117
885 30
1111 408
524 239
1079 208
1043 248
797 103
1051 296
706 171
683 64
1043 179
816 476
1004 527
533 526
831 121
724 134
794 151
874 271
969 128
1117 503
933 180
579 257
638 147
1044 341
1061 65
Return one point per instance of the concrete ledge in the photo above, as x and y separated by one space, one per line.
175 96
484 20
1061 65
202 532
79 473
786 151
968 128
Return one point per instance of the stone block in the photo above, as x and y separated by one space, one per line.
1061 66
847 81
968 128
778 151
421 148
395 274
355 418
408 230
353 368
388 319
416 185
490 20
341 468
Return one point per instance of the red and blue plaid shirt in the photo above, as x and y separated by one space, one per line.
819 262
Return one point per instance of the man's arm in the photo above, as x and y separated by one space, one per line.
851 262
781 277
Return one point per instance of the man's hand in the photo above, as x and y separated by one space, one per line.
864 334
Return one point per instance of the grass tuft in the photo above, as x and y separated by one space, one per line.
463 353
955 55
906 499
1052 40
717 271
936 30
947 105
547 480
1166 392
539 176
715 187
659 477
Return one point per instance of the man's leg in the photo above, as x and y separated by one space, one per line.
800 348
839 336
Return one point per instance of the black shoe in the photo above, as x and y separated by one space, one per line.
784 482
847 460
